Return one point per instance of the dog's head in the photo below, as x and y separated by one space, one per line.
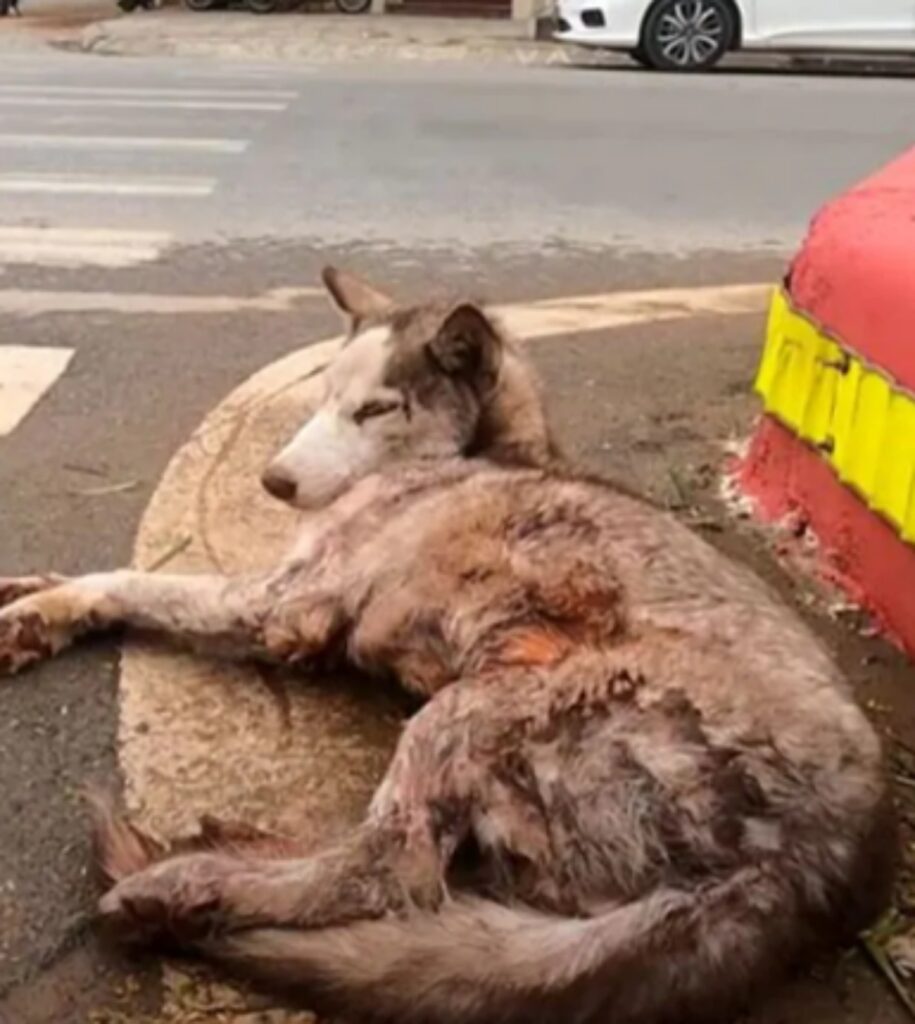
409 384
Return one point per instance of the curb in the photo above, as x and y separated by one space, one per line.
836 444
169 36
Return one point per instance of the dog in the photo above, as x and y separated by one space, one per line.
638 788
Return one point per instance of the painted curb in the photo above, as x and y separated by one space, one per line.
836 443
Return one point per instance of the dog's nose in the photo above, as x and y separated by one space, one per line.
278 485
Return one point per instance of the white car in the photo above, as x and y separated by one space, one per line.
690 35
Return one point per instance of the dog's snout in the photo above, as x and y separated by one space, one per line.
279 485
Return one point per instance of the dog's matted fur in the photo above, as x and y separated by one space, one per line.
638 788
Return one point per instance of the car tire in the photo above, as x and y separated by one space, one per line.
353 6
263 6
201 5
687 35
640 57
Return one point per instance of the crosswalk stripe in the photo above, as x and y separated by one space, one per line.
248 74
135 92
85 236
273 70
32 302
76 247
70 184
112 257
115 142
26 373
117 103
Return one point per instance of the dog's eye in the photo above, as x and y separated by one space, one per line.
379 407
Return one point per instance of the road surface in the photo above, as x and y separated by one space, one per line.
435 156
154 215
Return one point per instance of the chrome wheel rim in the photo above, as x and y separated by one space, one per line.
690 32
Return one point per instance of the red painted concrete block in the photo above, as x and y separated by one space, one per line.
855 277
855 274
860 552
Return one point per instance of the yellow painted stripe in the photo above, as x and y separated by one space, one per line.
861 420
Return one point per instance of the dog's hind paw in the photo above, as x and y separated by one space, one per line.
174 901
12 588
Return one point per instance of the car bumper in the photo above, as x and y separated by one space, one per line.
590 23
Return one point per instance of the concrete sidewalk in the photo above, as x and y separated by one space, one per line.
326 38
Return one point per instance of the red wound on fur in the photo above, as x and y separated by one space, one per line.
533 645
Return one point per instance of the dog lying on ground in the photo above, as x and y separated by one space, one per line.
638 788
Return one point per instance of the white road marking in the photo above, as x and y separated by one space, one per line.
75 247
131 92
70 184
23 302
528 320
139 104
26 373
250 75
619 309
128 142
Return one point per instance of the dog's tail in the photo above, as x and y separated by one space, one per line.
672 956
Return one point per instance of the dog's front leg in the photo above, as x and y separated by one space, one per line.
12 588
229 615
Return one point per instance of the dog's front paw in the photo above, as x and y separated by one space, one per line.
12 588
25 637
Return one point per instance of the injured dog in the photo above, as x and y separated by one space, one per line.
639 787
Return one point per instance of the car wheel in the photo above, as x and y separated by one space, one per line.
640 57
352 6
263 6
201 5
687 35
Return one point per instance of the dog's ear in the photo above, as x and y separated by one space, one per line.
469 347
354 298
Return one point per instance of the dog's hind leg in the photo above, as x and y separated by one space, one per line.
397 859
235 616
438 790
367 875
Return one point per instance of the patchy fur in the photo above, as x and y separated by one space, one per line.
638 789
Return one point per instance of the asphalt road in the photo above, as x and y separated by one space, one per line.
141 184
438 156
